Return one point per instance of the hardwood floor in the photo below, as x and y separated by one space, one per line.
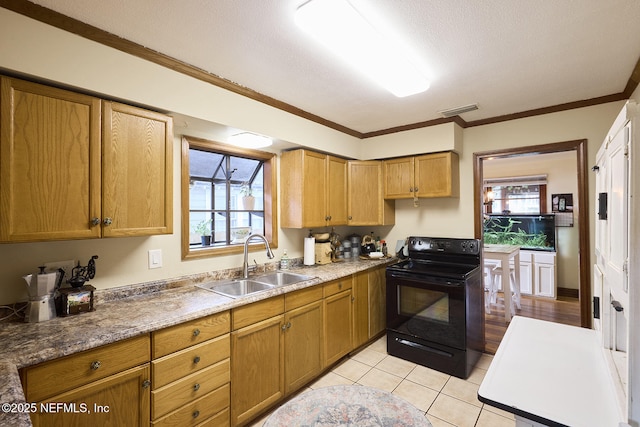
562 310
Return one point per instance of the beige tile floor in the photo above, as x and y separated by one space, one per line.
447 401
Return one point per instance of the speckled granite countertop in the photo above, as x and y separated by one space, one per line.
130 311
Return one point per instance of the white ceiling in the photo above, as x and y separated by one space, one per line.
508 56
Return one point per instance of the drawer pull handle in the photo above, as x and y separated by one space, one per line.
196 387
196 332
196 359
146 384
196 414
339 285
95 365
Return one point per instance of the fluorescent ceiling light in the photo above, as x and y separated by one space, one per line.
250 140
341 28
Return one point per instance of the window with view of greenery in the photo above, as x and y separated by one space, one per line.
229 193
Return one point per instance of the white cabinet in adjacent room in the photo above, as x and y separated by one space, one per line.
544 276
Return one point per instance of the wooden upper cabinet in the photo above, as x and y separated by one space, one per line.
366 205
314 189
49 162
60 178
337 190
437 175
429 175
137 171
399 178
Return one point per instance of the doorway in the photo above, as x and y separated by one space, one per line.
579 147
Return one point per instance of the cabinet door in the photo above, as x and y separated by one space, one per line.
337 326
118 400
49 163
137 172
545 280
526 278
336 191
303 345
399 178
257 368
377 288
366 205
437 175
360 309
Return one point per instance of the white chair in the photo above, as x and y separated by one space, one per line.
513 287
489 285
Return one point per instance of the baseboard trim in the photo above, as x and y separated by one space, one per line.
568 293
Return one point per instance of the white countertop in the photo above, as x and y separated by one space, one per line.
551 373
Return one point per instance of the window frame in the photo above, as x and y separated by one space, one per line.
270 197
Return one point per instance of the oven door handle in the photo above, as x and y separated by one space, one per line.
423 347
414 278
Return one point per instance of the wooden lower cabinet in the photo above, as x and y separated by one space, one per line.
377 292
369 305
118 400
106 386
257 371
191 370
338 320
303 345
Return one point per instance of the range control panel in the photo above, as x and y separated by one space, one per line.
446 245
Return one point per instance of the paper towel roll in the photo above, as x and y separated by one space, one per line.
309 251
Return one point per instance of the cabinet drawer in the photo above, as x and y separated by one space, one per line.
302 297
189 388
168 340
215 403
50 378
192 359
252 313
336 286
221 419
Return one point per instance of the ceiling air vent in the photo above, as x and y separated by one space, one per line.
458 110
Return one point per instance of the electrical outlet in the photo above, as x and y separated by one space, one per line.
67 266
155 258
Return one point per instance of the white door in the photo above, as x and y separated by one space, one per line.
617 234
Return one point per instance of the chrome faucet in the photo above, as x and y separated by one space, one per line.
245 263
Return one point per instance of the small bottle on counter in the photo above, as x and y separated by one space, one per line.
284 261
385 251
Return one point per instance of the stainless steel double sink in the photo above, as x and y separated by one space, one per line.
236 288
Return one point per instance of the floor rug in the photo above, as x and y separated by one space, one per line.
347 405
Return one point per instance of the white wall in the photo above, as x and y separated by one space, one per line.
34 49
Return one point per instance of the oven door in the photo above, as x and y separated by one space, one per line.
426 307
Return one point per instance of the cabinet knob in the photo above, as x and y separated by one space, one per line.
340 285
350 217
196 414
196 332
196 359
288 325
415 189
196 387
353 299
107 221
410 190
95 221
284 327
95 365
146 384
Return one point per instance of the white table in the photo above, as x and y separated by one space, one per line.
504 253
551 374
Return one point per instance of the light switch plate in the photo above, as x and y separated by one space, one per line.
155 258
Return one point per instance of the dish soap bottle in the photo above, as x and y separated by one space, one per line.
284 261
